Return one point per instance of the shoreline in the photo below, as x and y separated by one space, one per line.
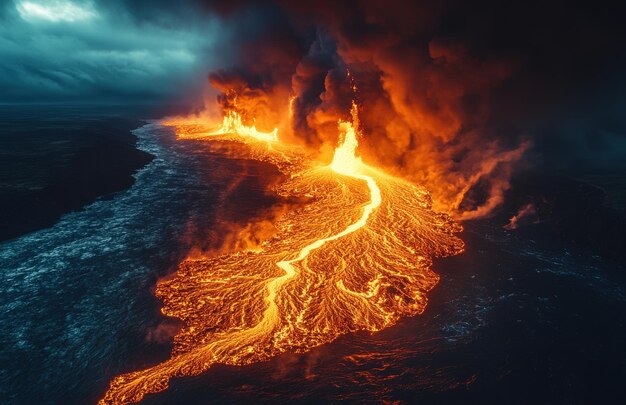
98 157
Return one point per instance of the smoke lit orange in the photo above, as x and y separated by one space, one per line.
357 256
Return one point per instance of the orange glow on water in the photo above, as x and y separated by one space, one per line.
356 256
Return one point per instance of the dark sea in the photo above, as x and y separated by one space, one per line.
520 317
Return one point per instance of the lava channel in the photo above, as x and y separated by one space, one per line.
356 257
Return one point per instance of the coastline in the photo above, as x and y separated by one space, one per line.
95 155
79 306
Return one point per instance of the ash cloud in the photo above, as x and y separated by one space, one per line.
455 95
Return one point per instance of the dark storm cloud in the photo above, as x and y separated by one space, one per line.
549 71
114 51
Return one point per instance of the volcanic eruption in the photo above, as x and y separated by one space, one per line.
381 172
312 201
356 256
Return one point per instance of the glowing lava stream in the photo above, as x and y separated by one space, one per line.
362 262
344 162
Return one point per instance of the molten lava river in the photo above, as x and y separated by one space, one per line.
355 256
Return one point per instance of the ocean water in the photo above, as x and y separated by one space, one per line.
516 318
76 298
57 158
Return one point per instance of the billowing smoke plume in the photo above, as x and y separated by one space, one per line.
424 104
432 86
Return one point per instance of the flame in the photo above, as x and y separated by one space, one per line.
357 256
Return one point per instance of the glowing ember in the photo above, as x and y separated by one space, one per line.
356 257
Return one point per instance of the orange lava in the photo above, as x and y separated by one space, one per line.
356 257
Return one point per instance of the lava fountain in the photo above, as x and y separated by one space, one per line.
231 124
356 256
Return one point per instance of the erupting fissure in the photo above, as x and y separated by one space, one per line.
357 256
231 124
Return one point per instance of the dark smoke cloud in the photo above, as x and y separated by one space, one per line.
453 94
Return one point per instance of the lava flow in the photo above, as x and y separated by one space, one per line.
356 256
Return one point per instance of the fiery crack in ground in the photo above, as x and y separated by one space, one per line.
357 256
